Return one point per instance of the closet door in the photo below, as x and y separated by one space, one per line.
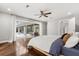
71 26
67 25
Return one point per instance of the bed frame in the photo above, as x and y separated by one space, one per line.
37 52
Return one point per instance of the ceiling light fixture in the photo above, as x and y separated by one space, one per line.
9 9
27 6
69 13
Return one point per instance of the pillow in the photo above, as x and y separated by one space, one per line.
72 41
56 47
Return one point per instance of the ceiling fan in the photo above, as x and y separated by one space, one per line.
44 13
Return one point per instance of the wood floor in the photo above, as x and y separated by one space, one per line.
7 49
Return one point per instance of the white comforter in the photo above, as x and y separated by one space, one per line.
43 42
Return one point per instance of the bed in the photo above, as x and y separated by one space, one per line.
40 45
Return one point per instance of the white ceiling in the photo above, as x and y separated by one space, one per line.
59 9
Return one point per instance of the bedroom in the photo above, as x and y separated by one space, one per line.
51 19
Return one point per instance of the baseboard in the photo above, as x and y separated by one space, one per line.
10 41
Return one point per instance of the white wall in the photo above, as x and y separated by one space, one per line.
6 27
55 27
52 28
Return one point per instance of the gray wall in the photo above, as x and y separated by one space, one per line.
44 28
77 24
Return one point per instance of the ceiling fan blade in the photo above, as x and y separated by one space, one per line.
48 13
45 15
40 16
41 12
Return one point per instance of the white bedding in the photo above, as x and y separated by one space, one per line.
43 42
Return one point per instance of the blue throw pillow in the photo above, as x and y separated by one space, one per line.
56 47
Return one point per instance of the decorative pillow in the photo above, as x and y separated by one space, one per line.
72 41
56 47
